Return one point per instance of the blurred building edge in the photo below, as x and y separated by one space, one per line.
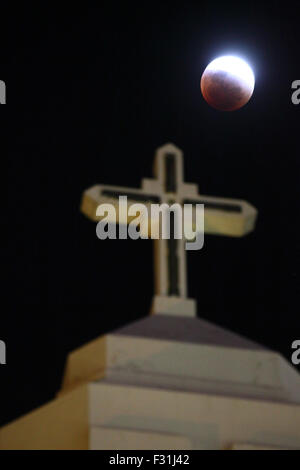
167 382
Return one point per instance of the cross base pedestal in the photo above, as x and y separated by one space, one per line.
173 305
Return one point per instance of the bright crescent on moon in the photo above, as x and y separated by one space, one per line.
235 66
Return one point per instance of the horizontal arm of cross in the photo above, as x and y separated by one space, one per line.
222 216
105 194
227 217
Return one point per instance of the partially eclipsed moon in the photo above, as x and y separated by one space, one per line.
227 83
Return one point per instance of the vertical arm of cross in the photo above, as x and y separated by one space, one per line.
170 255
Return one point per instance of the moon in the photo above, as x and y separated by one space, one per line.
227 83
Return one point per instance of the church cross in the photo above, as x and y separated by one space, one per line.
228 217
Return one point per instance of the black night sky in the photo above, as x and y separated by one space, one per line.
91 93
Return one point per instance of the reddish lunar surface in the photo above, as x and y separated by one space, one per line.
226 90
